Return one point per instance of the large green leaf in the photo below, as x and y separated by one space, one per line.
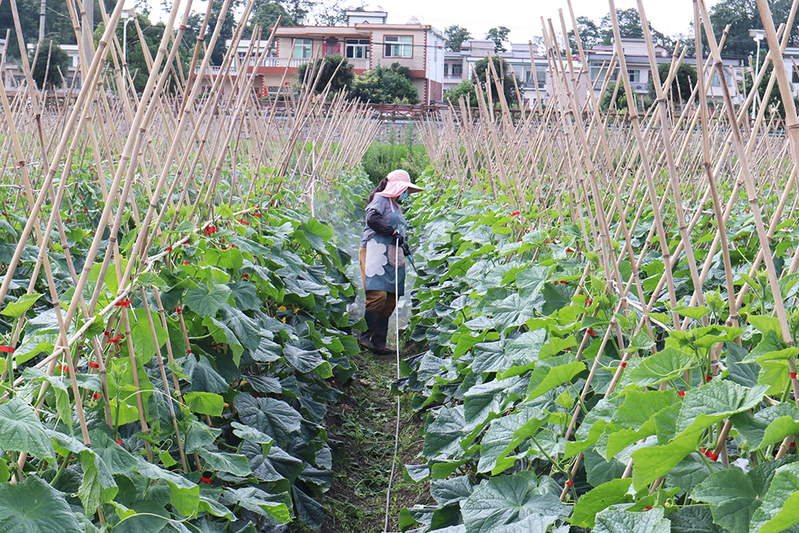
207 300
693 519
226 462
21 305
443 432
621 521
504 435
598 499
273 417
507 499
205 403
545 379
260 502
732 499
780 509
33 506
635 419
767 426
665 365
701 408
21 430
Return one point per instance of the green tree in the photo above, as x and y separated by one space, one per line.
266 16
137 64
456 35
340 77
485 79
51 65
629 25
506 84
590 34
499 35
384 85
620 104
682 86
29 20
465 89
774 101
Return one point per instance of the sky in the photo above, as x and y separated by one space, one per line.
522 17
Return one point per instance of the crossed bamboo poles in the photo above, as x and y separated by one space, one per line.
157 157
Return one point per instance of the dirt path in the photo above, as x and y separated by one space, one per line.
361 429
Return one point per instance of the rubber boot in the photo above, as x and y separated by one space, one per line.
380 335
365 338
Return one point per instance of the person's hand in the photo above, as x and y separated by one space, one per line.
400 239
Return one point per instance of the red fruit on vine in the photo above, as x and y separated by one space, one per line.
591 332
97 395
569 482
168 248
515 214
569 250
92 364
119 442
681 392
186 262
588 301
205 480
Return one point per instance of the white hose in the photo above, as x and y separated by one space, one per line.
396 433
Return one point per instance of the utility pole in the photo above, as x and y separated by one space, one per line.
42 13
87 33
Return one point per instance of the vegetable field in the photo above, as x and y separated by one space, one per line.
603 324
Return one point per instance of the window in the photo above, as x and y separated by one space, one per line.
302 48
398 46
598 72
446 69
795 78
456 70
635 75
357 48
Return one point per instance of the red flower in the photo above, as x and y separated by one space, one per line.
96 395
591 332
206 480
681 392
119 442
93 364
516 213
168 248
546 242
186 262
569 250
569 482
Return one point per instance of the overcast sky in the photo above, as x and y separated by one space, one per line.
522 17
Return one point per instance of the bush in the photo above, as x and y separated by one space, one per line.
338 79
385 85
382 158
465 89
59 63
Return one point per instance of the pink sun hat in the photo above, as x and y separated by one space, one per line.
398 182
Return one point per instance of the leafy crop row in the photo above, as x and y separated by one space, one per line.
205 411
547 409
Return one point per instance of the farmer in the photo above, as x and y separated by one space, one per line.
381 257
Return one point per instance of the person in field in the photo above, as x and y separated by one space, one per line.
381 257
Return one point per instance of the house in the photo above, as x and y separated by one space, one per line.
12 77
366 41
639 71
458 67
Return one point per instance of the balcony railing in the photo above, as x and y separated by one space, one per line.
281 62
